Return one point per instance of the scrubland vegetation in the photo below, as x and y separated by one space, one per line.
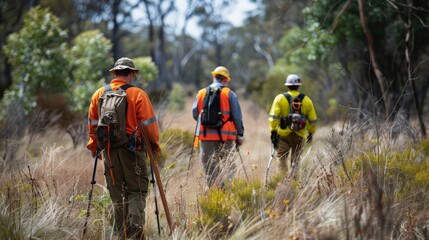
355 181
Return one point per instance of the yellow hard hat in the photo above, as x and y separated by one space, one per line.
221 71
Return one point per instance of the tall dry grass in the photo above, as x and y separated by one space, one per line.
355 181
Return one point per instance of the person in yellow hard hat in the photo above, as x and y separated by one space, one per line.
292 118
217 142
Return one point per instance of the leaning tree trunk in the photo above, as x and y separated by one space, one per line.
408 51
377 71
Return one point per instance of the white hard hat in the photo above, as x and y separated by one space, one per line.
293 80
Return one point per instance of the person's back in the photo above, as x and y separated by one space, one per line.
125 163
218 141
287 135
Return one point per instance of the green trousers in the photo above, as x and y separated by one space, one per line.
291 143
127 179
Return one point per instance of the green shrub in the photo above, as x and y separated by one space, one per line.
37 56
247 197
90 57
173 138
405 171
176 99
148 71
216 208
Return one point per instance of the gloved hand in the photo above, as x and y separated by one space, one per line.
274 138
309 138
239 141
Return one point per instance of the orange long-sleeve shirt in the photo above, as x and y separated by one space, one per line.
139 110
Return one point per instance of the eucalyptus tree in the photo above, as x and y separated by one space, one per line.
115 16
185 46
211 17
156 13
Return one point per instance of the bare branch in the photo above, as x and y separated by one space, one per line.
264 53
337 18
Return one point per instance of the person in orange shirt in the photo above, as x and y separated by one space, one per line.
217 144
126 173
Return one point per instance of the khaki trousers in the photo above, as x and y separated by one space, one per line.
218 161
290 143
128 187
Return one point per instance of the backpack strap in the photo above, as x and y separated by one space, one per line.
218 129
126 86
208 89
107 88
289 99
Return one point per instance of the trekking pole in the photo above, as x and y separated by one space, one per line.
154 163
242 163
268 167
156 201
195 142
90 193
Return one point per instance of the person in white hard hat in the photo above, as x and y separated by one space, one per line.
292 119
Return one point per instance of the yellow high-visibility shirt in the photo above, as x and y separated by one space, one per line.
280 108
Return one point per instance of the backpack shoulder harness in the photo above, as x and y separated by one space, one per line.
294 120
211 114
112 117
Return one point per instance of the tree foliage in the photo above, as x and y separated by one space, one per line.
43 62
390 24
323 41
90 56
331 50
148 71
37 54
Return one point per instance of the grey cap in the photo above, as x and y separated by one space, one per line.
124 63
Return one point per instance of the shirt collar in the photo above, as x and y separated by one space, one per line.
119 81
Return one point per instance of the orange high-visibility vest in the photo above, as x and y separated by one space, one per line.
228 130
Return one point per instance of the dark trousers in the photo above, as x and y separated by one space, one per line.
127 179
218 161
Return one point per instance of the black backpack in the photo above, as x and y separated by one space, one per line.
294 120
211 114
112 117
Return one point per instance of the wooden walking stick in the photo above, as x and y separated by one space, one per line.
154 163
